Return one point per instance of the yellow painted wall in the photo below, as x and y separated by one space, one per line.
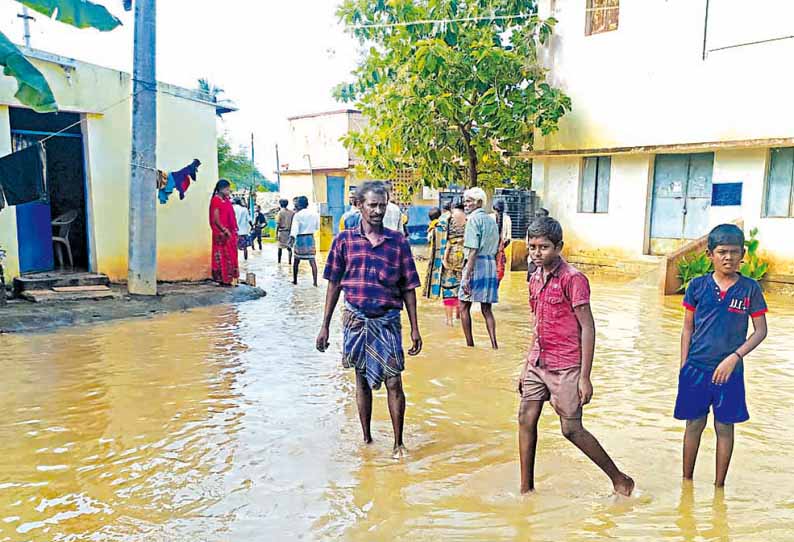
8 216
186 130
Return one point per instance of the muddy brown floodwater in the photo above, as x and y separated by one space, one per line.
226 424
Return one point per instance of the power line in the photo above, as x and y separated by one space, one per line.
433 21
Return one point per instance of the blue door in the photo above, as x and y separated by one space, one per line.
34 235
681 197
336 199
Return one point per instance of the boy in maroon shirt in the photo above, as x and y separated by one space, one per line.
558 366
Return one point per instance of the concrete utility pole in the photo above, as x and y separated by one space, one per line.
142 266
278 170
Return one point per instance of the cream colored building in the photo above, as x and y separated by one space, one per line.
92 171
319 166
681 120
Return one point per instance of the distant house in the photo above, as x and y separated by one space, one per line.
681 120
317 165
88 171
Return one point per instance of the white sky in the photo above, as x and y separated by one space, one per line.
274 58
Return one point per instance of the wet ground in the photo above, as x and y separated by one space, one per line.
225 424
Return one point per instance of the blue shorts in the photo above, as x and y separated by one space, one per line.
696 392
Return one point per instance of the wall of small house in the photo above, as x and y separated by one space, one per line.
186 130
8 216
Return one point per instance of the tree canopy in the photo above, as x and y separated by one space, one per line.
452 89
236 166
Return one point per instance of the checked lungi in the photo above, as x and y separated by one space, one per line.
484 283
373 346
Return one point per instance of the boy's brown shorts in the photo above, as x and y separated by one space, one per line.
560 388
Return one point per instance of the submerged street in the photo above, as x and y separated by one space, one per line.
225 423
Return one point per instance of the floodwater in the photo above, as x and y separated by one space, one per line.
225 424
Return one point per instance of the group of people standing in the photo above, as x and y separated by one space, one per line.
467 259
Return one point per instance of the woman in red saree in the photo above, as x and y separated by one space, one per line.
223 222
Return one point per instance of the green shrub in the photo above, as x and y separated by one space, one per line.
753 267
699 265
690 269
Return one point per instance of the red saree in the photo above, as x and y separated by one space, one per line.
225 269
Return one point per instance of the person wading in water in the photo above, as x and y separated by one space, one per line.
374 267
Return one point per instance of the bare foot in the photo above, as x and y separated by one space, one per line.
399 452
624 485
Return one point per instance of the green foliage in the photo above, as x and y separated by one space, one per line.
34 91
454 102
753 267
236 166
78 13
697 266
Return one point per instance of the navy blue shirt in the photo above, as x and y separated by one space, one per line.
721 318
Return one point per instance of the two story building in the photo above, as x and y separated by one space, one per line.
682 119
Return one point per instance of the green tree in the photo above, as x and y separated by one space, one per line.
33 89
236 166
454 101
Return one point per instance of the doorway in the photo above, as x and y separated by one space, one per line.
681 200
66 192
336 199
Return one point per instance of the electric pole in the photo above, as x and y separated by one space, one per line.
278 170
142 264
252 197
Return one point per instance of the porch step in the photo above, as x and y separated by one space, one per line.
88 293
48 281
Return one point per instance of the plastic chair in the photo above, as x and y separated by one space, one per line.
64 225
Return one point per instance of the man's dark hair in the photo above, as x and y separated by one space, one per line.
376 187
499 205
726 234
302 202
541 212
547 227
283 203
434 213
447 205
238 201
458 205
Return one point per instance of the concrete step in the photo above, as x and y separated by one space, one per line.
48 281
92 293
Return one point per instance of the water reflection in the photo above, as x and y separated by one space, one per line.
226 424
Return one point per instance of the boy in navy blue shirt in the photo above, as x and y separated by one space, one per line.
714 343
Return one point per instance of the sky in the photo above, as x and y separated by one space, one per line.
274 58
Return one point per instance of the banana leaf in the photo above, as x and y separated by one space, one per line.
33 89
79 13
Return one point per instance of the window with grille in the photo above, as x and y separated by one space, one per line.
601 16
594 190
780 183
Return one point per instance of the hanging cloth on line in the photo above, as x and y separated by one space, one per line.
177 180
23 174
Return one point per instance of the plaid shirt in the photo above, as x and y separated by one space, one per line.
373 277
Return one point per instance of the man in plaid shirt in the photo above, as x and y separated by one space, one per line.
374 267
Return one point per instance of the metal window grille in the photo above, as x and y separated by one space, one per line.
601 16
780 183
594 188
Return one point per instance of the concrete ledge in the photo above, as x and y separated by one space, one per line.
21 316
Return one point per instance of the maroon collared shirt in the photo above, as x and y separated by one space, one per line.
373 277
552 299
